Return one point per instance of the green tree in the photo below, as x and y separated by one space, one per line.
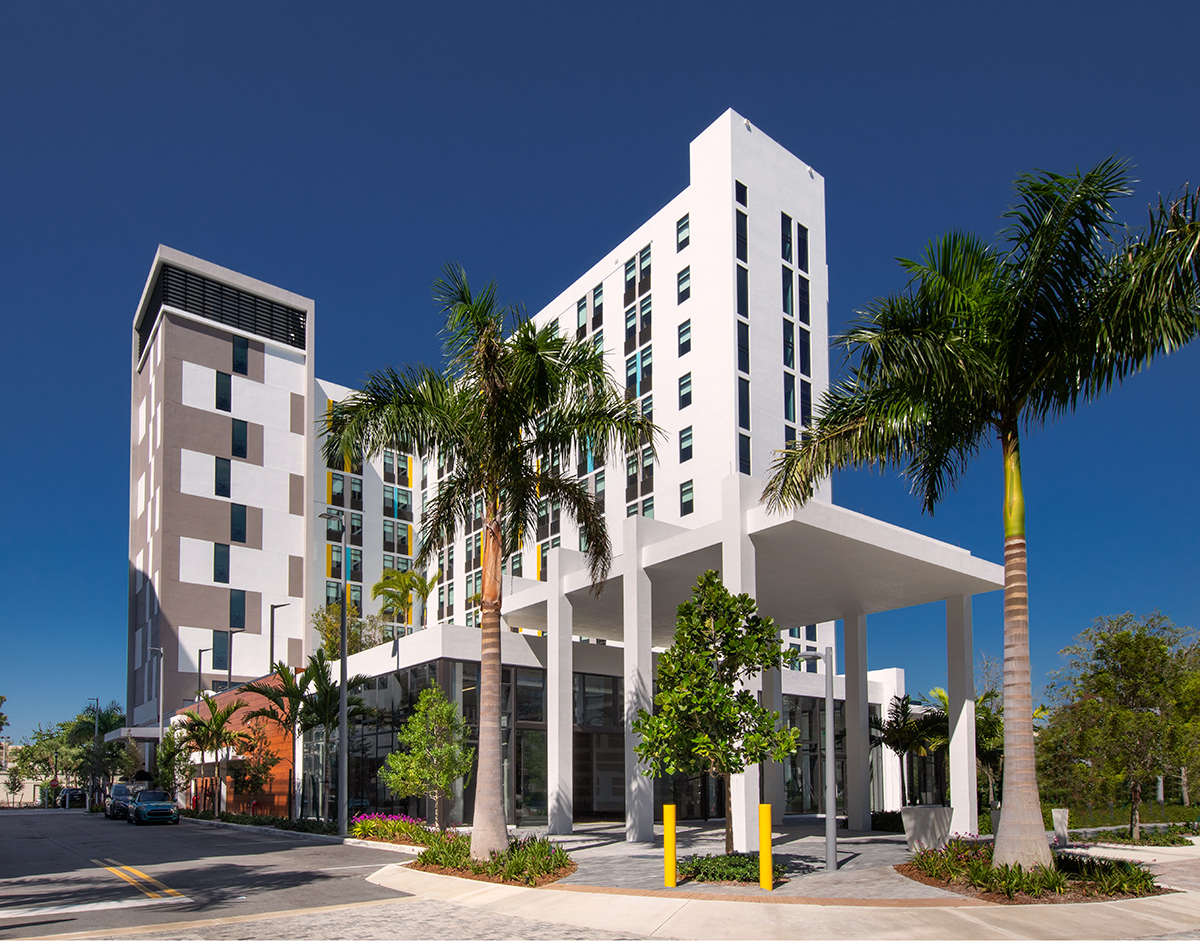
251 773
508 415
286 694
321 707
397 588
985 341
704 722
173 768
901 733
434 752
14 784
362 633
214 733
128 759
1122 684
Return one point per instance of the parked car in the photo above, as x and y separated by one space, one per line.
72 795
153 807
116 805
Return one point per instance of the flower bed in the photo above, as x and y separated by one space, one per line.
532 861
732 869
391 828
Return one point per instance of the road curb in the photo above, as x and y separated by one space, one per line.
319 837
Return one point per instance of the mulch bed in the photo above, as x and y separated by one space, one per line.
499 880
1073 893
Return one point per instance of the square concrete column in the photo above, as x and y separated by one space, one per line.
738 575
858 725
774 782
960 689
560 703
639 684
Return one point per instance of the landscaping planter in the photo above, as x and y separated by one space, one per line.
927 826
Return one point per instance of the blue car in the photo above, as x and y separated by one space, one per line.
153 807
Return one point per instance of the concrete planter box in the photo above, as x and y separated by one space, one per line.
928 826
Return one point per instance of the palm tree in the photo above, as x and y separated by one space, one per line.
902 732
509 414
396 588
320 708
985 341
213 733
285 693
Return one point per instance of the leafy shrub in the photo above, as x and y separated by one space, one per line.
1150 836
525 861
304 825
889 821
1116 815
394 828
736 867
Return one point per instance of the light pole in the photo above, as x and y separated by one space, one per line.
158 746
95 747
271 661
343 735
229 657
199 670
830 765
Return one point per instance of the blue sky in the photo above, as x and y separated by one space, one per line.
347 151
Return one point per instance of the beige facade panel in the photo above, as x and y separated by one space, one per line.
297 414
295 576
295 495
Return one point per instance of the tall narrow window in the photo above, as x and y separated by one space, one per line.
237 522
220 563
789 397
630 329
581 318
224 392
630 280
356 493
684 288
743 346
644 334
789 344
683 233
356 565
686 500
744 454
648 508
335 562
685 390
337 495
743 291
631 376
802 302
644 270
237 609
221 482
220 650
785 236
744 403
685 337
739 192
685 444
788 298
801 247
241 355
805 352
805 403
647 366
597 306
742 238
240 433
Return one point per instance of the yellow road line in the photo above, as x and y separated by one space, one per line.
148 878
130 879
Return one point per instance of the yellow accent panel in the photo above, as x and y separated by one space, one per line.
410 542
328 561
329 486
410 476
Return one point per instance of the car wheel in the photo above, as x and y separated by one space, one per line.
175 821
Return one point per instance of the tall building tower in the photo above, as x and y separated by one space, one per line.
219 482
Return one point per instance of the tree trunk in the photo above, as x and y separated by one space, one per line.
489 832
1183 785
728 817
436 796
1135 817
1021 836
903 780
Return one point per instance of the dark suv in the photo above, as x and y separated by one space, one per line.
116 805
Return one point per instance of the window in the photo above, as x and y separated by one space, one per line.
683 233
220 650
743 291
335 562
644 270
685 444
224 392
802 299
810 632
647 469
645 384
220 563
638 368
581 318
644 333
514 564
788 299
744 403
789 436
543 561
333 593
597 305
684 286
389 467
356 565
356 493
805 352
237 522
333 528
789 344
789 397
241 355
221 481
739 192
631 510
743 346
237 609
239 437
630 280
744 454
685 337
742 226
630 329
686 501
648 508
801 247
336 490
356 597
356 529
785 236
805 403
685 390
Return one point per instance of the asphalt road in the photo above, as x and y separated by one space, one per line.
68 871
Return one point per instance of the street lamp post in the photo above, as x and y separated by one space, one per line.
343 734
830 765
199 671
229 657
271 661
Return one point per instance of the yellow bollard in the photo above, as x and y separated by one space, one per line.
766 877
669 845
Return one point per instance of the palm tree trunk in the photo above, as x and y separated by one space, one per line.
1135 803
489 833
903 779
1021 836
728 817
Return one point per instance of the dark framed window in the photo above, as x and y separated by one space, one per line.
631 329
337 494
802 300
805 352
686 498
683 233
744 454
785 236
648 508
240 434
597 306
801 247
685 337
356 565
237 522
739 192
333 528
744 403
241 355
789 344
743 346
335 562
237 609
356 529
805 403
789 397
224 392
630 280
220 563
684 285
333 593
644 270
356 597
742 226
356 493
581 318
221 481
788 291
220 650
789 436
743 291
685 444
685 390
